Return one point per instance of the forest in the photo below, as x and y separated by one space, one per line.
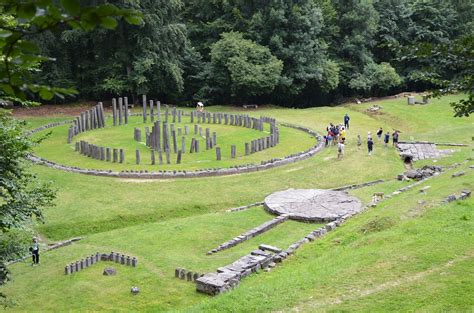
295 53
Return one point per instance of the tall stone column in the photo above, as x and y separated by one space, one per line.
114 111
125 100
144 108
120 110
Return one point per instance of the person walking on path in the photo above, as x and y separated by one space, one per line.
395 138
34 249
370 145
386 139
379 134
346 121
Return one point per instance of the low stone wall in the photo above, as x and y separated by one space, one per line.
86 262
250 234
47 126
357 186
238 169
245 207
462 196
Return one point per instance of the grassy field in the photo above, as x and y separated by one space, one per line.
403 255
56 149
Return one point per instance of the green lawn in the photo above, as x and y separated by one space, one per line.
55 147
398 256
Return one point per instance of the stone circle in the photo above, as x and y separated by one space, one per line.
312 205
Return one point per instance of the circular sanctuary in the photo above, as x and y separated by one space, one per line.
166 142
312 205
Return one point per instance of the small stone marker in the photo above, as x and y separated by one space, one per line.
110 271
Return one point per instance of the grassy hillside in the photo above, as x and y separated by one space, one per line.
408 253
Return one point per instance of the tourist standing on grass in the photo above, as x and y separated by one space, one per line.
34 249
343 133
346 121
370 145
379 134
386 139
340 149
200 107
395 138
359 142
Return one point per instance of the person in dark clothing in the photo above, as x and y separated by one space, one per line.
370 145
34 249
386 139
395 138
346 121
380 133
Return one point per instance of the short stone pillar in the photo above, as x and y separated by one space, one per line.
178 158
122 156
411 100
137 156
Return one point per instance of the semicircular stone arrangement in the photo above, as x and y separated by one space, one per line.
172 135
312 205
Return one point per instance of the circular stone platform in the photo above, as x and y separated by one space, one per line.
312 205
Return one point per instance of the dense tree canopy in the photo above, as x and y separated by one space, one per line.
328 49
240 68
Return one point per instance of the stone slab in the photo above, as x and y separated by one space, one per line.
312 205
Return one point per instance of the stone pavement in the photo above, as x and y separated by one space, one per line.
312 205
421 150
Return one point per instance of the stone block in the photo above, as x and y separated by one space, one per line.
182 274
269 248
109 271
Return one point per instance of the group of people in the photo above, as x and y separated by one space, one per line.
336 135
380 134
